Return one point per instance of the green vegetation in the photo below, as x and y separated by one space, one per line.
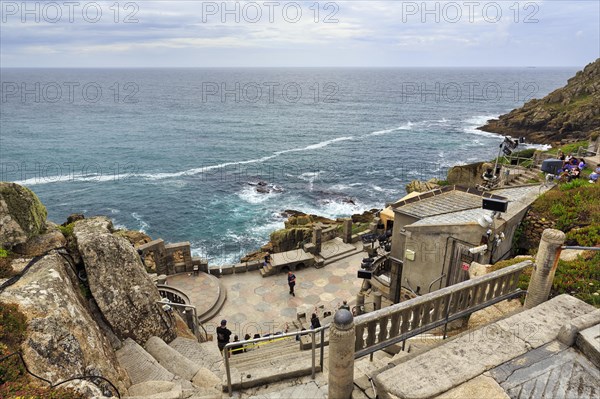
574 204
586 236
359 227
14 380
6 258
67 230
579 278
568 148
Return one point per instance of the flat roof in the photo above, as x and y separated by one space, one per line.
518 199
448 199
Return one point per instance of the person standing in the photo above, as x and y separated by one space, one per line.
223 334
291 282
314 321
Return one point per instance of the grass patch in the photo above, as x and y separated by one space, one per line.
67 230
6 258
579 278
568 148
574 204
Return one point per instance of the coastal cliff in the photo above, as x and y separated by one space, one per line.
69 296
567 114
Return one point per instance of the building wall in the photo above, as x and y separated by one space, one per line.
429 243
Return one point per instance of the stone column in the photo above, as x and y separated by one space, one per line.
316 239
341 355
377 300
545 265
348 231
360 302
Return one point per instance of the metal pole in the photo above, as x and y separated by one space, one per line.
313 355
226 354
322 348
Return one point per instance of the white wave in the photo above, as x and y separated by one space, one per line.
33 181
250 195
266 229
315 146
476 121
384 190
170 175
310 177
406 126
340 187
143 225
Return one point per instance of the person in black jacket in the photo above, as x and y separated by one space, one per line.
223 334
314 321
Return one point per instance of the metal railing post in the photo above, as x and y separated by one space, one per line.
227 369
313 355
322 348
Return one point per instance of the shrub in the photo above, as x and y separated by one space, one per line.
586 236
579 278
13 324
67 230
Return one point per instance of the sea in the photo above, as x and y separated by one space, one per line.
215 156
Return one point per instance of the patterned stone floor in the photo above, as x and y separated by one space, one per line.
202 289
263 305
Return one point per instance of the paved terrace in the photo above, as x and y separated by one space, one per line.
255 303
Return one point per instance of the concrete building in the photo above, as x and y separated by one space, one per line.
434 231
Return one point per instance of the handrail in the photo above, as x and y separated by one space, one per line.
321 329
175 291
434 309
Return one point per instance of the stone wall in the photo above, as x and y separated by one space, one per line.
531 229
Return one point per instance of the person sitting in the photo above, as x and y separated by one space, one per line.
581 165
237 349
574 174
314 321
595 175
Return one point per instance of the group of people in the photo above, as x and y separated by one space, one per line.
571 167
224 334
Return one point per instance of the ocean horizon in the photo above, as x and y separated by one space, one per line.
178 153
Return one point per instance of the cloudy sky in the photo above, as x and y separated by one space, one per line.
305 34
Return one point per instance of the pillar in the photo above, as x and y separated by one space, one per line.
341 355
377 300
316 239
347 231
360 302
545 265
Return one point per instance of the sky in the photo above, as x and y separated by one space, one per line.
65 33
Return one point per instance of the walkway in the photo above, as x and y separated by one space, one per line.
263 305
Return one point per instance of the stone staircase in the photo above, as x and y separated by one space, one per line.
520 177
185 369
268 270
269 362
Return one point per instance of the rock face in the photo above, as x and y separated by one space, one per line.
119 284
288 239
468 175
567 114
62 338
422 186
22 215
40 244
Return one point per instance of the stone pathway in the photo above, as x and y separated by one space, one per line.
263 305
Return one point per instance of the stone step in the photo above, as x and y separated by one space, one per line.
140 365
266 350
155 390
170 359
292 365
214 310
205 354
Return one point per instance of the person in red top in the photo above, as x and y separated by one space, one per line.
291 282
